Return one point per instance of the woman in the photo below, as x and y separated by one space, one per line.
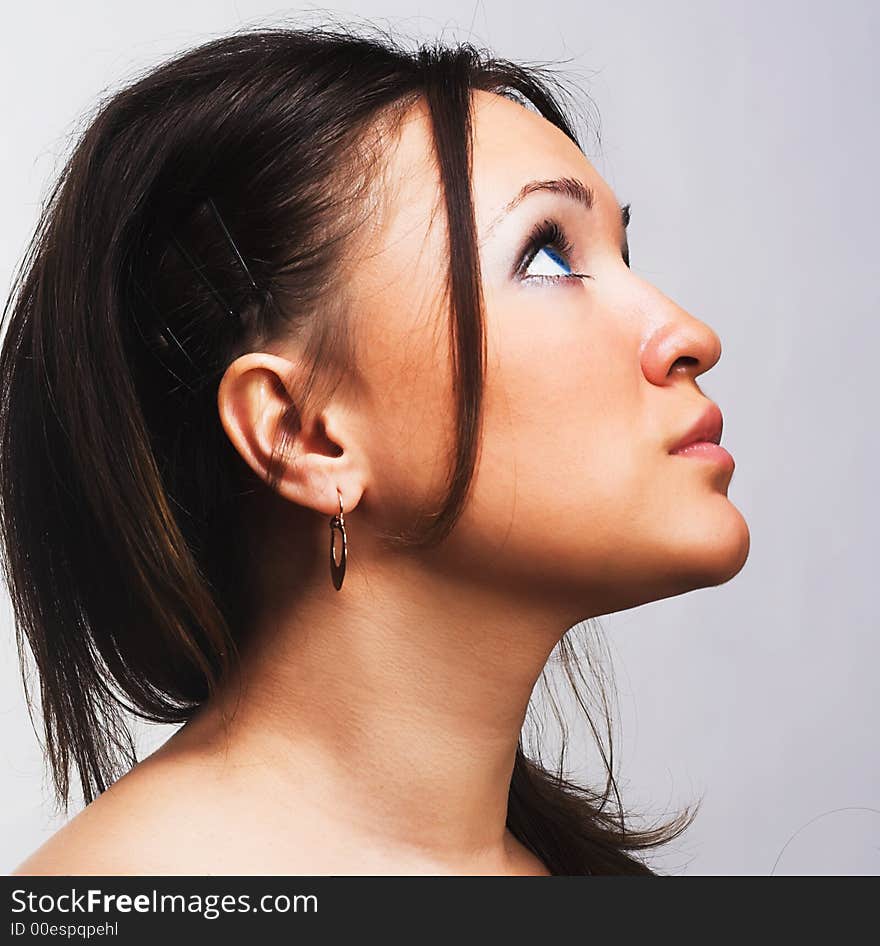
300 278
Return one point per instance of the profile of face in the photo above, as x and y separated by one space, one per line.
591 381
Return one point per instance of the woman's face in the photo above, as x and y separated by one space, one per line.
590 383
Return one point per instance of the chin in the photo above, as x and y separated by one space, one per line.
718 550
709 552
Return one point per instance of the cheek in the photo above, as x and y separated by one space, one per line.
563 407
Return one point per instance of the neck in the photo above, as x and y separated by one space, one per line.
400 722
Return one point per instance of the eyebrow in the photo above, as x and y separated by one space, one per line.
570 188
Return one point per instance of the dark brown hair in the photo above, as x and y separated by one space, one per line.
120 494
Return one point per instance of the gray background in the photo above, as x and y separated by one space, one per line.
745 137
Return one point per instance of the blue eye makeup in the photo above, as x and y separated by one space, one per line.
548 246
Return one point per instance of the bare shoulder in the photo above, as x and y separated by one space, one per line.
175 816
140 825
83 846
110 836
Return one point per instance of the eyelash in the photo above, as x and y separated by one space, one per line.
548 233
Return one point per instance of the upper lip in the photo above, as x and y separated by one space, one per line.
707 428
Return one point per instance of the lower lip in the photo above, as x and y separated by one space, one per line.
705 450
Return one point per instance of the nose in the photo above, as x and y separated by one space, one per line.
679 345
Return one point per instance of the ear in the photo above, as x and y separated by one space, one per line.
252 398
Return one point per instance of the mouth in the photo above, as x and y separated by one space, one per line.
703 438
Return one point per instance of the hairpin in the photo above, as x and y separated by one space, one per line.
228 236
200 271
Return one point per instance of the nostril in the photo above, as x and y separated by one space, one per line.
683 361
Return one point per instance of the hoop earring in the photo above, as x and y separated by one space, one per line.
337 571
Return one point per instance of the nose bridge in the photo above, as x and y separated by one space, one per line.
677 339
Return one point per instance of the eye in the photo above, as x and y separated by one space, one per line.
548 252
545 263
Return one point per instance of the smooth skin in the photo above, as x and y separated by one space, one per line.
377 728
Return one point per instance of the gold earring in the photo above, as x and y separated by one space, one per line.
337 571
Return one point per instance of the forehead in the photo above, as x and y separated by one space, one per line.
514 145
402 251
511 146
